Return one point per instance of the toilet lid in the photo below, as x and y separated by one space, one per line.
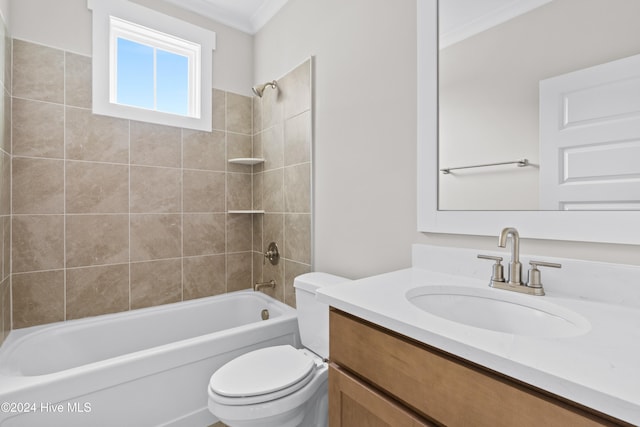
262 372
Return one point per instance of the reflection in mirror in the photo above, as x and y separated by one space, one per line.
556 82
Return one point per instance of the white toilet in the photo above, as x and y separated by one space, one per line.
281 386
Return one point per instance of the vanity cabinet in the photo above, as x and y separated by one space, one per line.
378 377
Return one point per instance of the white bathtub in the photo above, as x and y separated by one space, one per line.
147 367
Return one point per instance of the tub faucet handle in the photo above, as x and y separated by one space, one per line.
272 253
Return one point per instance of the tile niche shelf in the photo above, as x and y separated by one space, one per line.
247 161
250 161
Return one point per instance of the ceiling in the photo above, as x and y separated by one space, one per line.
244 15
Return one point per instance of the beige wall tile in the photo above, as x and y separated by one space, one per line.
97 188
156 236
296 90
6 247
38 129
5 188
274 272
239 271
92 291
239 232
204 191
77 80
257 114
258 190
38 186
38 298
297 188
273 229
273 191
96 138
97 239
218 108
155 283
38 72
37 242
258 263
204 150
155 190
7 120
204 276
239 115
297 235
204 234
258 221
258 152
239 195
291 271
273 147
297 139
272 110
125 222
238 145
5 311
156 145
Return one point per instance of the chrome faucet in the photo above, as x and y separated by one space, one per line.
515 268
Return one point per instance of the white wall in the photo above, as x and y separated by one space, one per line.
6 12
365 124
66 24
365 137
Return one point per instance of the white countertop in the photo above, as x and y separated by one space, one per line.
599 369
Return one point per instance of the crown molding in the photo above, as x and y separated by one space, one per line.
484 22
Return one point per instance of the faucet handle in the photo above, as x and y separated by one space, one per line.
534 274
497 275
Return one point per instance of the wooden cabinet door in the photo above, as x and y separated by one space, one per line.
354 404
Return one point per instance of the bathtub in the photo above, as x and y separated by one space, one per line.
147 367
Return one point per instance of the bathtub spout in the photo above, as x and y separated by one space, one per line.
259 285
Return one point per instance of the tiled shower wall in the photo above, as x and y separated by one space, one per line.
111 214
5 182
282 124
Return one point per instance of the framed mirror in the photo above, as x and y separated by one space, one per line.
602 224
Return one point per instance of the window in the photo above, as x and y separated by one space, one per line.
153 70
150 67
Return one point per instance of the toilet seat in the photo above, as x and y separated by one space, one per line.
263 375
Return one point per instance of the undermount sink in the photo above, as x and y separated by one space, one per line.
500 311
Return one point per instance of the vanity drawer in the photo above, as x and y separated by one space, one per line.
444 388
354 403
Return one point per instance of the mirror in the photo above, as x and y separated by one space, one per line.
516 83
592 226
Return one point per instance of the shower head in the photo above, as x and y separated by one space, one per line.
259 89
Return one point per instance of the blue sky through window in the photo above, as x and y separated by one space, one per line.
135 86
172 82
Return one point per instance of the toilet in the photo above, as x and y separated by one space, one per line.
281 386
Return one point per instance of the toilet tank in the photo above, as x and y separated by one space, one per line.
313 316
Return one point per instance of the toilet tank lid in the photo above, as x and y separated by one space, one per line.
312 281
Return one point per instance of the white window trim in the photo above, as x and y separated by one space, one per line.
103 10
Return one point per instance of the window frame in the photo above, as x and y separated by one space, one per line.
159 30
